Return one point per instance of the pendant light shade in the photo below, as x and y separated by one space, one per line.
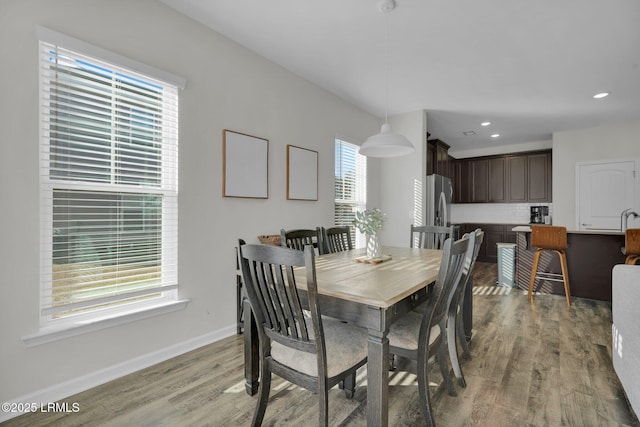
387 143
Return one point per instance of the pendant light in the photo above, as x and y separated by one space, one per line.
387 143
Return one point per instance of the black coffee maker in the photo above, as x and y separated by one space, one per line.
538 214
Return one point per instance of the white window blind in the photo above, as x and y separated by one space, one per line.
350 183
108 162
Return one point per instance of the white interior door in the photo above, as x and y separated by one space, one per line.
604 191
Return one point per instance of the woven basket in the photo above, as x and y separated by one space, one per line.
270 239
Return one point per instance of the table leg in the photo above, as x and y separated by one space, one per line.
378 379
251 363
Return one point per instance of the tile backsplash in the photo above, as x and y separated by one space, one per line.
502 213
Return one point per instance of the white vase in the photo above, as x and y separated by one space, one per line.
374 250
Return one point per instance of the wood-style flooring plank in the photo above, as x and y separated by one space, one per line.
540 364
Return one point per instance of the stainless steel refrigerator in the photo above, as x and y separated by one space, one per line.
439 192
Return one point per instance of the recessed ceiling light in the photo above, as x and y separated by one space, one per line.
601 95
485 123
468 133
495 135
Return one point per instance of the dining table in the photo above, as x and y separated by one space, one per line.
368 293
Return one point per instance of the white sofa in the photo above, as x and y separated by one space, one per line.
626 339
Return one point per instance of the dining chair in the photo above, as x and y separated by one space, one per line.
632 245
420 336
240 294
296 342
429 236
455 322
335 239
298 239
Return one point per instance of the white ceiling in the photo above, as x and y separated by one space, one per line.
529 67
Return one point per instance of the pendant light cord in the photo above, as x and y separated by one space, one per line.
386 66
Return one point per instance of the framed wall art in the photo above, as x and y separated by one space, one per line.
302 173
245 168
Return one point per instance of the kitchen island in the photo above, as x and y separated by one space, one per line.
591 255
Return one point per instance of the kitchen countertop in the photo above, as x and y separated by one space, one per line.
527 229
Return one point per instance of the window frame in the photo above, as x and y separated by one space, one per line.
167 189
359 202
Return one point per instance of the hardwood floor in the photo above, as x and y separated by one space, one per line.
534 365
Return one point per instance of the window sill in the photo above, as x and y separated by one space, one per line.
54 334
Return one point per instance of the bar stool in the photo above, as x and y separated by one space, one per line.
632 245
549 238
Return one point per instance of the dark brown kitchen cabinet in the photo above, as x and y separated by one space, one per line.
512 178
517 181
479 171
451 162
461 182
431 155
438 160
493 234
539 175
442 159
497 180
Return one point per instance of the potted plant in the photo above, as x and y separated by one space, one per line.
369 222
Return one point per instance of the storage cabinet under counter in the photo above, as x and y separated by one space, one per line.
493 233
591 256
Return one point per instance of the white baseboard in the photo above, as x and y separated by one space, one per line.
94 379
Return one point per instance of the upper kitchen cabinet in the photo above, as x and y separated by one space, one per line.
513 178
517 172
497 180
539 175
479 171
438 160
461 181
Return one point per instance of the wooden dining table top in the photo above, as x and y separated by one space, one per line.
379 285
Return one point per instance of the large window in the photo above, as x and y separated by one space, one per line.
108 162
350 184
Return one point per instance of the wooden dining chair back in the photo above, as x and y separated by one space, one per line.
298 239
429 236
240 294
335 239
455 322
295 342
419 336
550 238
632 245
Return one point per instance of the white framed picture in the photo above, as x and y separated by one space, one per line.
245 168
302 173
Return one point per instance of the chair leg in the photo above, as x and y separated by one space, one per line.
263 394
444 366
565 275
534 271
423 386
453 348
348 384
323 394
466 353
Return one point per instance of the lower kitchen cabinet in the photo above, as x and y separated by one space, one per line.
493 233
